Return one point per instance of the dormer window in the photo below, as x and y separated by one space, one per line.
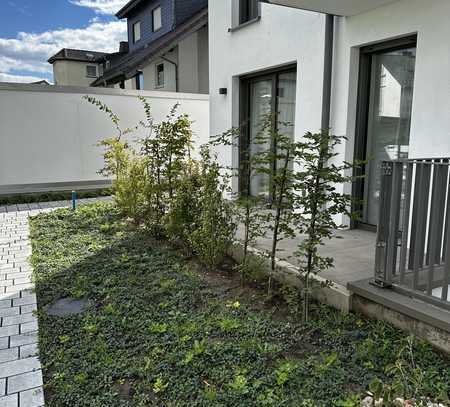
157 19
248 10
136 31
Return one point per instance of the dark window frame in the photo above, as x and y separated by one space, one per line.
137 79
157 84
87 71
153 18
244 117
248 10
134 32
362 116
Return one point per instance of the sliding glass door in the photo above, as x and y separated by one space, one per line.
387 113
271 96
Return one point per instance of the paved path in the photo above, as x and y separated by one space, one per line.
20 369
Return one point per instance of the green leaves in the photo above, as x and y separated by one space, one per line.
284 372
156 328
159 334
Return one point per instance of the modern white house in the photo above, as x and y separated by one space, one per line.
377 72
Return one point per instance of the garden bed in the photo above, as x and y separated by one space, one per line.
161 331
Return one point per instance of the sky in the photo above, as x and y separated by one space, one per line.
33 30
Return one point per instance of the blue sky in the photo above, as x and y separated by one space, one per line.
33 30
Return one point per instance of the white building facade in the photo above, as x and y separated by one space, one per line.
390 76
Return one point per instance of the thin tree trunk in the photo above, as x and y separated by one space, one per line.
246 239
312 233
277 222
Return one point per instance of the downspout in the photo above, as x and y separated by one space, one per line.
327 71
176 70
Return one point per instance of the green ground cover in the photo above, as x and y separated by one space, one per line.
160 331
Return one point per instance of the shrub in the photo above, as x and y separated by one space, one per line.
216 228
185 210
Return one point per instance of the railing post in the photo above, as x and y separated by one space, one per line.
383 278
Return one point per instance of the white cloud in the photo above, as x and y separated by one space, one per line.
29 51
18 78
101 6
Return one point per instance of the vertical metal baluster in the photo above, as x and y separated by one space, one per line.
447 214
419 240
446 279
433 229
394 220
405 223
415 217
383 224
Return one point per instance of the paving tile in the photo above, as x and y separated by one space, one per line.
18 319
2 387
8 355
9 296
24 381
9 330
9 401
32 398
29 327
20 274
24 301
19 366
25 309
23 339
27 351
9 312
22 280
5 303
18 287
4 342
28 293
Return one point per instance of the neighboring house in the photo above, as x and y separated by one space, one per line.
168 47
376 71
73 67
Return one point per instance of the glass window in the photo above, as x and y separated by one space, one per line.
91 71
157 19
139 81
160 75
248 10
389 119
136 31
268 95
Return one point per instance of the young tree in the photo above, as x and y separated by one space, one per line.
250 210
166 149
124 165
318 202
276 163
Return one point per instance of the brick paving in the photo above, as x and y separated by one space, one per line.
21 382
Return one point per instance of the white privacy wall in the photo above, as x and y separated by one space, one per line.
282 36
49 134
430 20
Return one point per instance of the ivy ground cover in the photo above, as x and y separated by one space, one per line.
160 331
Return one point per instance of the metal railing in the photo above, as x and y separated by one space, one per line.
413 238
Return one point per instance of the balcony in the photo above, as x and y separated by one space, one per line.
336 7
413 241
